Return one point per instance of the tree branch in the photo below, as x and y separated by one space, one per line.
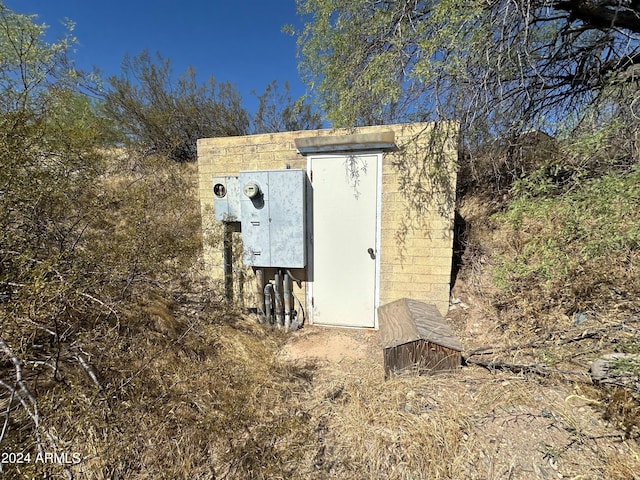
602 14
535 368
27 400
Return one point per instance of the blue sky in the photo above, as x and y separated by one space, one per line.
235 41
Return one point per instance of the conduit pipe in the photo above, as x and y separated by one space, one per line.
260 294
227 259
288 302
298 282
268 304
279 310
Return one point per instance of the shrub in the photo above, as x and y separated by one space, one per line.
577 250
158 116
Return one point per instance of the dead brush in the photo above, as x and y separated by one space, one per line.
623 465
234 412
150 386
159 308
621 407
398 429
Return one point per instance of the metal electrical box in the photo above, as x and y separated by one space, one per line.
226 195
273 218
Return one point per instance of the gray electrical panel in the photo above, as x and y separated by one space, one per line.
226 197
273 216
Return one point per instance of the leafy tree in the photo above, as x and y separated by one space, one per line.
49 167
502 66
28 65
159 115
47 156
277 112
82 244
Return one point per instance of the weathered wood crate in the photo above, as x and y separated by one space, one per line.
416 338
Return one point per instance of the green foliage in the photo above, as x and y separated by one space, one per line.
626 366
351 60
49 169
72 111
109 344
499 68
29 66
160 116
81 244
577 249
48 157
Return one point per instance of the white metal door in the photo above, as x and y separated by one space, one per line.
345 239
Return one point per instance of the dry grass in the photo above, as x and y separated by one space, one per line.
154 377
220 401
210 403
187 387
566 296
466 425
368 429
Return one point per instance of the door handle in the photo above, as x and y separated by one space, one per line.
371 253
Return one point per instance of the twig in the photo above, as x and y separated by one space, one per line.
32 260
540 342
45 364
6 418
23 387
86 295
33 414
31 404
155 355
90 371
535 368
32 410
489 350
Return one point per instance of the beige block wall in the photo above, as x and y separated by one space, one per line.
418 193
228 156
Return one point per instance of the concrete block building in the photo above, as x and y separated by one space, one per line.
373 217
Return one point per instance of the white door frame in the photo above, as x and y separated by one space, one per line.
310 252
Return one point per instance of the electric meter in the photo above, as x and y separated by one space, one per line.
251 190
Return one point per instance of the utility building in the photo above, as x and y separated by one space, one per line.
330 224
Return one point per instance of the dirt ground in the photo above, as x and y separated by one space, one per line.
516 426
334 346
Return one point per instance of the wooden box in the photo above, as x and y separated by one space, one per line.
416 338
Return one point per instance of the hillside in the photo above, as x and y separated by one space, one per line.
121 358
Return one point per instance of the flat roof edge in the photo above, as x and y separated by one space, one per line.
384 140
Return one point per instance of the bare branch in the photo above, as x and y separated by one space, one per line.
27 400
602 13
534 368
98 301
90 371
19 381
6 416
